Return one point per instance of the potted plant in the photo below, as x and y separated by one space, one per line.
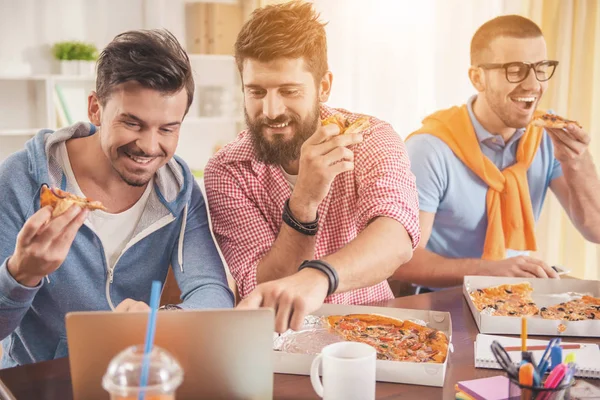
75 57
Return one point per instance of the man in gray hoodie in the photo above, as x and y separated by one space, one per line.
155 216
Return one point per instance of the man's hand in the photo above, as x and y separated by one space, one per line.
570 144
323 156
43 244
292 297
520 266
130 305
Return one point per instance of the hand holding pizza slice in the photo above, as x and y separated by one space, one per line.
46 237
569 138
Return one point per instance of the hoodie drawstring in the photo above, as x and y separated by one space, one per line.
181 237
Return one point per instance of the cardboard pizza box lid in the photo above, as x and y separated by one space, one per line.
429 374
546 292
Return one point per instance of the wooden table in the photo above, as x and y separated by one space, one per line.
51 380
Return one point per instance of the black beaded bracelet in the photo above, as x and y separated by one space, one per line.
327 269
308 228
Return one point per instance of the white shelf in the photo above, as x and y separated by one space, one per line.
19 132
72 78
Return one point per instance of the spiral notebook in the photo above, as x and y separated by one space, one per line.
587 357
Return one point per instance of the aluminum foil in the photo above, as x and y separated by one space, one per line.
310 339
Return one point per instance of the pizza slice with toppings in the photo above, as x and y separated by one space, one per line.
505 300
393 339
61 201
553 121
345 126
587 307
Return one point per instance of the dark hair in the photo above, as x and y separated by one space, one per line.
513 26
153 58
290 30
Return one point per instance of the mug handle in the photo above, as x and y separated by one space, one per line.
314 375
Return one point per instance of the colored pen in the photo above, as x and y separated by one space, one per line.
526 379
545 361
526 356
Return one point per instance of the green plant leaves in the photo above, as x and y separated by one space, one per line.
73 50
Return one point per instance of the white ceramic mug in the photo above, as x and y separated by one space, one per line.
348 372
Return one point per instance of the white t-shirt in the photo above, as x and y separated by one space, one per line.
114 230
291 179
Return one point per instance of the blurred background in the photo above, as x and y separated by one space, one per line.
396 59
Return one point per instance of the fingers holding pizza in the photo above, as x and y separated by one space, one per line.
323 156
46 237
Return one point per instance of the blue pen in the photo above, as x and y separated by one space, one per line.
545 360
555 356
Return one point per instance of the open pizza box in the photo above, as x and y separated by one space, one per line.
429 374
546 292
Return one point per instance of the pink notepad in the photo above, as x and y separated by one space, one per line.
493 388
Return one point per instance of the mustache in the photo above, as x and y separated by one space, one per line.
139 153
281 119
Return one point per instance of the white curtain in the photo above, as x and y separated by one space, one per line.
400 60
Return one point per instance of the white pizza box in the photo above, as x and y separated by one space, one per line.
429 374
546 292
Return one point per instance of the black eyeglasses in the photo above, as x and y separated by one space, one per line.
519 71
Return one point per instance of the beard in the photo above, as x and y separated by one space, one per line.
495 100
279 150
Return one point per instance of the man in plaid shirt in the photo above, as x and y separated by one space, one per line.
352 199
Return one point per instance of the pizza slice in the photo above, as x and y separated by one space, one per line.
587 307
505 300
393 339
553 121
61 201
345 126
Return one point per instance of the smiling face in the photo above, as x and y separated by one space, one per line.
512 104
281 105
138 129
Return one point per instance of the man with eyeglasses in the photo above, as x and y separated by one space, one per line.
483 171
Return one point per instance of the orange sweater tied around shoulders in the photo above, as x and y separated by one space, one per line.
511 224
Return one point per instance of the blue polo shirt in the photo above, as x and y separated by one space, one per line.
457 196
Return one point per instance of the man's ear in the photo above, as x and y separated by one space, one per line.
477 77
325 86
94 109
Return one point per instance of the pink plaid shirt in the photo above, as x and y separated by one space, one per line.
246 199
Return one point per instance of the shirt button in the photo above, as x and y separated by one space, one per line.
494 140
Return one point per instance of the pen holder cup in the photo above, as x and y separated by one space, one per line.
517 391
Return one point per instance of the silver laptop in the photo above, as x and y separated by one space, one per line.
225 354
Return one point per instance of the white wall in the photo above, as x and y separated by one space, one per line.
28 28
400 60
